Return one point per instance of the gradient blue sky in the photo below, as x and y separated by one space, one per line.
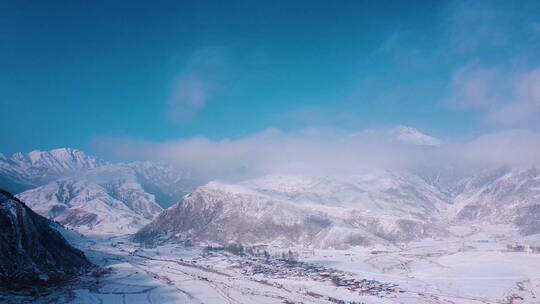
74 71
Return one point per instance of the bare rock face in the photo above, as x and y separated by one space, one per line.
31 251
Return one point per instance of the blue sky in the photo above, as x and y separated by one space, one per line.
76 71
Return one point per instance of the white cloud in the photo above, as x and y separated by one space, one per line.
327 151
524 103
505 96
201 76
189 97
473 88
474 25
516 147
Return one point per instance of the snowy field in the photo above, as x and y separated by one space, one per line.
473 266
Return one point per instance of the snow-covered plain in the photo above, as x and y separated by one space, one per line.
474 265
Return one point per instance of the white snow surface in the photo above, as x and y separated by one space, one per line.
40 166
92 208
471 266
91 195
376 207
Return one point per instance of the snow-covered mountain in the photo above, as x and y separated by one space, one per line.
394 193
21 172
165 182
505 196
94 196
89 194
32 252
24 171
111 206
414 136
380 207
323 212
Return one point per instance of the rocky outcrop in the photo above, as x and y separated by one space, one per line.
32 252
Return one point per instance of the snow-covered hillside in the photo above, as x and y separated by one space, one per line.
338 212
165 182
502 196
381 207
120 206
23 171
89 194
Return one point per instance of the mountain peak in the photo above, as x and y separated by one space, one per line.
58 152
68 158
38 167
414 136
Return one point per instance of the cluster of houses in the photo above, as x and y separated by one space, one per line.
523 248
286 266
253 261
365 286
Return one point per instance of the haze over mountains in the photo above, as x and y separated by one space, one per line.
376 208
323 211
146 215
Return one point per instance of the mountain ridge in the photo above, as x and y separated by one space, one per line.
377 208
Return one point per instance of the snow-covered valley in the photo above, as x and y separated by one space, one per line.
475 265
372 237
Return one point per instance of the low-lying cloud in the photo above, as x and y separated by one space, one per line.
506 97
326 151
200 78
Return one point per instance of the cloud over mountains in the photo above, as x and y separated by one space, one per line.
329 151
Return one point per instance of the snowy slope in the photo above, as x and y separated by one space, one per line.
92 195
89 207
24 171
165 182
381 207
391 193
21 172
505 196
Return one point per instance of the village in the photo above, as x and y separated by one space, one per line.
523 248
253 262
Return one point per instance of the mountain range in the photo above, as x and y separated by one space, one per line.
92 195
335 211
380 207
23 171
